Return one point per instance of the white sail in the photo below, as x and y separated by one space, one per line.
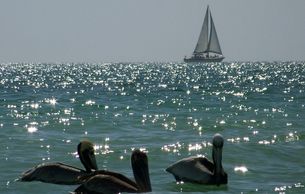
203 41
208 47
213 45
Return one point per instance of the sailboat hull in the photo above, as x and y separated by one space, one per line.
203 59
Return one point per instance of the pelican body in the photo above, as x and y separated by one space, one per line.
200 169
59 173
107 182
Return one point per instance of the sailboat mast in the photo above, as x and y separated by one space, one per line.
209 30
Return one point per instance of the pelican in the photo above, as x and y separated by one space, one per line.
107 182
59 173
200 169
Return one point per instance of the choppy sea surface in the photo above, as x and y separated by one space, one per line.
171 110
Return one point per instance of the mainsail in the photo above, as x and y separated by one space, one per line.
203 41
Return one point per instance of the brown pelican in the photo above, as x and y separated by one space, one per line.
106 182
200 169
59 173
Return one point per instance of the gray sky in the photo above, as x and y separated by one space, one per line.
148 30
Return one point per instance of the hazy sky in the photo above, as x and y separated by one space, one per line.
148 30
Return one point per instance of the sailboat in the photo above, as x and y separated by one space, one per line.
208 47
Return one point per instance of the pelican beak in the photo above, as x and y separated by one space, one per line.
87 156
217 158
92 160
139 163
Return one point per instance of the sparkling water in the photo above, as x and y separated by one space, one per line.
170 110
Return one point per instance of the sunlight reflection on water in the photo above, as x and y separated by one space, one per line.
171 110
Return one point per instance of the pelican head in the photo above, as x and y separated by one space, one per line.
218 140
86 155
139 163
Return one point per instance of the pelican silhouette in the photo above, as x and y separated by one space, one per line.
200 169
59 173
107 182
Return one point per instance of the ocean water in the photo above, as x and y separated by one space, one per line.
171 110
